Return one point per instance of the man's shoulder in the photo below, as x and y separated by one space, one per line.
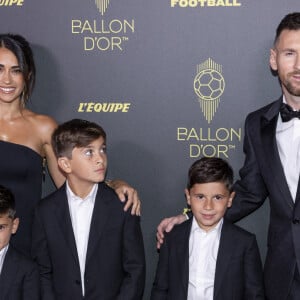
254 115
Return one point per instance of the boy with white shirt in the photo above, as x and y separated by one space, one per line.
86 245
207 257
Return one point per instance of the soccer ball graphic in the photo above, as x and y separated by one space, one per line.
102 5
209 84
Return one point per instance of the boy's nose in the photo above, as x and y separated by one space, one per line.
208 204
99 158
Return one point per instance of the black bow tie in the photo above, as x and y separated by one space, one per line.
287 113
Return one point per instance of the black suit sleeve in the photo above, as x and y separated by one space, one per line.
133 260
251 190
41 255
161 282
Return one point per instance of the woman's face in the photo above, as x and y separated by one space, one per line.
11 77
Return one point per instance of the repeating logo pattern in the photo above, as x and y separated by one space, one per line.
209 85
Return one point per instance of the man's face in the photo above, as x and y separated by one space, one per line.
285 59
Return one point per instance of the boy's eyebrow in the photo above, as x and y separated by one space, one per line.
92 146
198 194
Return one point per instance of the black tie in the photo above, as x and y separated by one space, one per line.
287 113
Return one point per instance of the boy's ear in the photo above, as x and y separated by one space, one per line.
187 196
230 199
64 164
15 225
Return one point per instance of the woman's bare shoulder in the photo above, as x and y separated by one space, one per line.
42 125
43 122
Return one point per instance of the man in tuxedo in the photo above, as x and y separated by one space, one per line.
271 168
85 244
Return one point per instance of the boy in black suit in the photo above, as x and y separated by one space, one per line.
86 246
19 277
207 257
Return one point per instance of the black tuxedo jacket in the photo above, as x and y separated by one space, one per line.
115 262
19 279
238 270
262 176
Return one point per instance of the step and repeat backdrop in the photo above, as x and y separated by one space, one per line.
169 80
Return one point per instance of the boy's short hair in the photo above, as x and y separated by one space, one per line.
75 133
7 202
210 169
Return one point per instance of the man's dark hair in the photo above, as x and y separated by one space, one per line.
289 22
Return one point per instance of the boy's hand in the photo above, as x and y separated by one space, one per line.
124 191
166 225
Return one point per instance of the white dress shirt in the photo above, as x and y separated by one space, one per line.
288 143
2 256
81 211
203 252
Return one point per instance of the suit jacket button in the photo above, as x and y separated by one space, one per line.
296 221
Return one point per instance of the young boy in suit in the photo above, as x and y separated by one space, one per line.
19 277
207 257
86 246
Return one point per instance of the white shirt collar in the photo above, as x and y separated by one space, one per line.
90 197
293 125
218 227
3 252
282 126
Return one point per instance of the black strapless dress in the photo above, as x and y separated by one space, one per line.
21 170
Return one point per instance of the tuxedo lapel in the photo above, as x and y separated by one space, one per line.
182 254
270 149
297 200
9 271
224 256
63 216
99 218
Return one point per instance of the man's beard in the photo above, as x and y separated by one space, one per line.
294 90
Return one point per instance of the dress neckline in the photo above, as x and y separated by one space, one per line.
22 146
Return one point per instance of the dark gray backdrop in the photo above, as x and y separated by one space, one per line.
154 72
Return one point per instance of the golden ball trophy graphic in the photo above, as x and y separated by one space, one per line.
102 5
209 85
